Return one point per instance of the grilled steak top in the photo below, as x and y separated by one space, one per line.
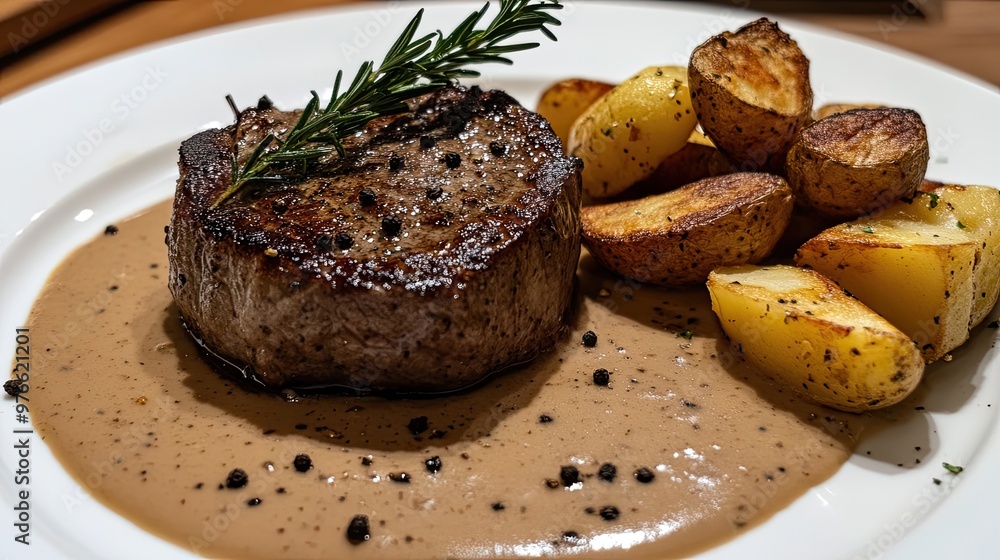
464 174
441 248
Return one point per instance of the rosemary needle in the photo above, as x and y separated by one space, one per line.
414 66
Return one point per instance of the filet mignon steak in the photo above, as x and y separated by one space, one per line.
442 248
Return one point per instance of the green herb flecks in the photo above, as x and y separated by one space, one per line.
960 225
868 229
686 335
953 469
934 200
412 67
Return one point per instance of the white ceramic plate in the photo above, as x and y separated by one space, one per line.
94 146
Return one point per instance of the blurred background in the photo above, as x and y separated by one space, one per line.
42 38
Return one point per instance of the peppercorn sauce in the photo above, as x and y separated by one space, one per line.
679 448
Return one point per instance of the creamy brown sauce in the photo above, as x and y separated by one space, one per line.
132 411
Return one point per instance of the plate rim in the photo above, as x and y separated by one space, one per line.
60 80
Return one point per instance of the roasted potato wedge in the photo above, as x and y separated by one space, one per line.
628 132
977 209
677 238
916 275
564 101
930 265
831 109
858 162
801 329
751 93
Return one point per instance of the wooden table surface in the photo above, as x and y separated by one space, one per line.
967 37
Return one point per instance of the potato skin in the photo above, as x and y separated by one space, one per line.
564 101
802 330
751 93
627 133
858 161
676 238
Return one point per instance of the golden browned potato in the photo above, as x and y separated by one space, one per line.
916 275
858 162
677 238
930 265
977 209
628 132
564 101
751 92
802 330
835 108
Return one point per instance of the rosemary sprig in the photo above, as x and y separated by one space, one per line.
412 67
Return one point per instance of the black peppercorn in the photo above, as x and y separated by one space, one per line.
569 474
396 162
113 230
402 478
344 241
391 226
498 148
644 475
417 425
435 193
452 160
13 387
254 502
602 377
607 472
426 142
590 339
498 506
324 242
302 462
367 461
366 197
357 530
545 419
609 513
237 479
433 464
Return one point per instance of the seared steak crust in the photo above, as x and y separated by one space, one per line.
308 283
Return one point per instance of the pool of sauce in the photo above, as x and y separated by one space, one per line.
140 419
